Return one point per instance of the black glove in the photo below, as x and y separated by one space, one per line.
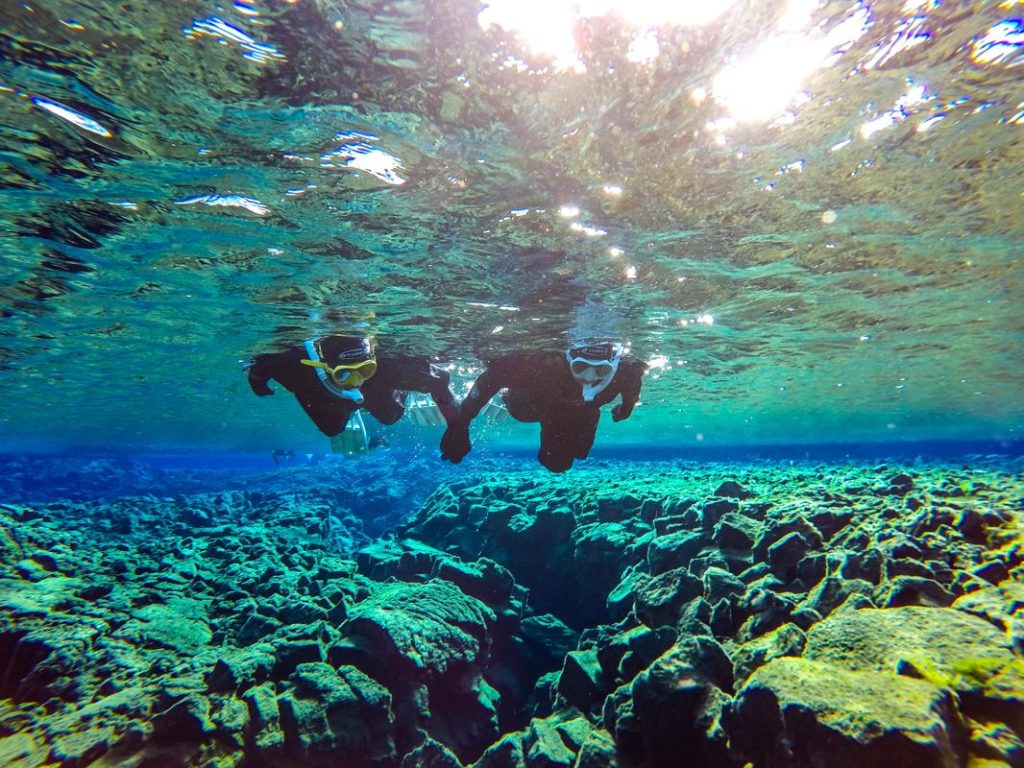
621 411
455 443
258 384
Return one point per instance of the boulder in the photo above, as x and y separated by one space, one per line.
802 713
420 629
330 712
736 531
677 702
675 550
947 647
787 640
730 489
581 682
660 600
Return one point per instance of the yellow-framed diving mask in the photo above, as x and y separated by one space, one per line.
348 376
356 362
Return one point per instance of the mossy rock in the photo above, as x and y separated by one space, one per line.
424 628
948 646
802 713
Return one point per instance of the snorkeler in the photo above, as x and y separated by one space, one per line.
564 391
334 376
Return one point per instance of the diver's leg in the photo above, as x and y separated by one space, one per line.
585 432
556 445
565 438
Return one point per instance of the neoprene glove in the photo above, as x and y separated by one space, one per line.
259 385
455 443
621 411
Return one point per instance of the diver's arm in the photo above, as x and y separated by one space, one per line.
442 396
487 385
631 384
455 440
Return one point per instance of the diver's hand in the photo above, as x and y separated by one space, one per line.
259 386
455 443
621 412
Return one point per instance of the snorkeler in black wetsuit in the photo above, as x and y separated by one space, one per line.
334 376
562 391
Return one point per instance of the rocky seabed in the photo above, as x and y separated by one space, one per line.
635 616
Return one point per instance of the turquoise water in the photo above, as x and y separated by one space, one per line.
804 547
821 248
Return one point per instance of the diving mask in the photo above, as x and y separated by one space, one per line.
348 376
593 366
355 362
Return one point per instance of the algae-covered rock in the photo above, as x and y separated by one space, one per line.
787 640
881 638
801 713
240 668
582 681
430 754
660 600
677 702
946 647
626 654
547 638
1001 605
598 751
330 712
675 550
264 730
420 629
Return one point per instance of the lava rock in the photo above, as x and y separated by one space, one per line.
801 713
332 711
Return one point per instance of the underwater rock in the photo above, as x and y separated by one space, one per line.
880 638
624 655
264 732
660 600
492 605
598 751
1003 606
787 640
731 489
430 754
946 647
912 590
240 669
714 510
675 550
330 711
581 682
832 592
677 702
736 531
600 554
548 638
420 629
801 713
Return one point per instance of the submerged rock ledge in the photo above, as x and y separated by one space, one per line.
626 615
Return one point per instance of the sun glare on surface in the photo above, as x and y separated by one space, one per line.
546 26
764 83
759 84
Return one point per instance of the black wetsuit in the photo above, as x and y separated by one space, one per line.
540 388
383 394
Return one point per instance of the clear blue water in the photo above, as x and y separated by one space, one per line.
822 248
